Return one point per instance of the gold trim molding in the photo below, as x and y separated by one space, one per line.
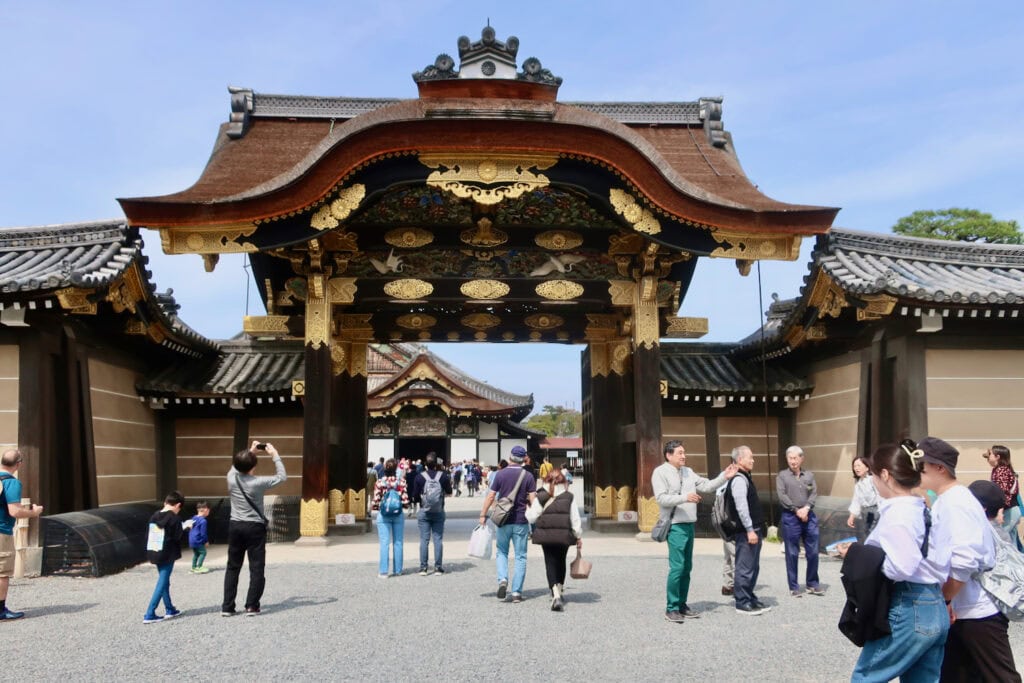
620 353
341 290
685 328
879 306
827 296
480 321
266 325
559 290
339 359
621 292
408 238
543 321
484 289
416 321
126 291
76 300
636 215
313 517
318 321
330 215
221 239
298 388
407 289
463 175
558 240
751 246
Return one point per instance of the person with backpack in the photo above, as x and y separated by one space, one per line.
720 521
675 488
389 498
163 548
429 489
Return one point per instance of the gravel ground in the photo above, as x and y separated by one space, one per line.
337 620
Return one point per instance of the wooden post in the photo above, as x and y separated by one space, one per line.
646 396
317 416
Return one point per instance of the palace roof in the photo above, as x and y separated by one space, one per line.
76 266
875 275
705 372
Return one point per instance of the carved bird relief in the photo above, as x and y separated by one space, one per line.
562 263
393 264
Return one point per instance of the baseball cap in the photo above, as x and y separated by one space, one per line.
989 495
518 453
938 452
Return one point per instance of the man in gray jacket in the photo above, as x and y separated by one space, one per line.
675 488
247 530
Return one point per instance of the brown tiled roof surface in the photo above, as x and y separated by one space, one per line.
562 442
711 369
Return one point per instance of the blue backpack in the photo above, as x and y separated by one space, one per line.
391 503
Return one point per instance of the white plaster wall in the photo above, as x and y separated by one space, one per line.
380 448
463 449
488 430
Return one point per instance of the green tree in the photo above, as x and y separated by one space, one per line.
556 421
962 225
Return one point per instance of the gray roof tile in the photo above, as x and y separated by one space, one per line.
712 369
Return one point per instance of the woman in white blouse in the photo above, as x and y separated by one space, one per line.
865 497
918 564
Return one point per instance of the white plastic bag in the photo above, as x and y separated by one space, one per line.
481 542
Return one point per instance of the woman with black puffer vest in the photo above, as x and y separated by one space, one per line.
557 525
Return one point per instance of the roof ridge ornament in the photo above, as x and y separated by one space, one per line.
487 58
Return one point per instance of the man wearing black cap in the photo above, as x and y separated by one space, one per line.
977 647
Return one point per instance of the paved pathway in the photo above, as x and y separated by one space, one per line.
327 615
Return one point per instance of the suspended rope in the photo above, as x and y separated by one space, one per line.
764 395
245 269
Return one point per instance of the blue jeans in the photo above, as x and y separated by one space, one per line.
162 591
793 533
747 567
431 524
913 652
517 534
390 530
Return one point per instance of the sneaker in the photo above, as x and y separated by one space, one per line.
149 619
750 610
193 570
796 593
252 611
517 597
726 590
424 572
761 606
9 615
438 570
557 605
674 616
172 613
689 613
228 613
202 570
815 590
382 576
502 589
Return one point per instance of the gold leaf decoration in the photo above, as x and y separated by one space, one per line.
408 238
484 235
640 218
463 175
409 288
558 240
330 215
559 290
480 321
544 321
416 321
484 289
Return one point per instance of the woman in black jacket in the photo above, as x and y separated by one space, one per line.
557 525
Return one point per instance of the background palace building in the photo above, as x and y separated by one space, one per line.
484 210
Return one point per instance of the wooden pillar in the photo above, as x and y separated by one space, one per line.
647 396
348 430
317 415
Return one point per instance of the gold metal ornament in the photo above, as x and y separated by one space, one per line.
408 238
330 215
484 289
879 306
480 321
318 322
621 292
559 290
221 239
753 246
76 300
408 289
313 518
484 235
619 355
298 387
512 174
544 321
339 360
648 512
685 328
558 240
827 296
341 290
603 506
265 325
416 321
636 215
626 243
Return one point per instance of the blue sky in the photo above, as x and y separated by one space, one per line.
878 108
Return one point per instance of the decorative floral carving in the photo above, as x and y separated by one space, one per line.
416 321
409 288
480 321
463 176
416 205
558 240
330 215
484 236
484 289
408 238
544 321
640 218
559 290
549 206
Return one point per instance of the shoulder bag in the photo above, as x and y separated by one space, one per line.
503 509
238 483
664 524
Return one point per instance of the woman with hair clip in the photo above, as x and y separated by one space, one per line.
1005 478
917 564
865 498
558 526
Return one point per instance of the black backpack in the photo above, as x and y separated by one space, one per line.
723 514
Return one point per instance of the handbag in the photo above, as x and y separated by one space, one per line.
661 528
481 542
580 568
503 509
1004 582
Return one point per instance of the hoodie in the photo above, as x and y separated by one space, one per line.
171 524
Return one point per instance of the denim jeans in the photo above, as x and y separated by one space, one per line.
390 530
913 652
431 524
680 564
245 539
793 533
162 590
517 534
